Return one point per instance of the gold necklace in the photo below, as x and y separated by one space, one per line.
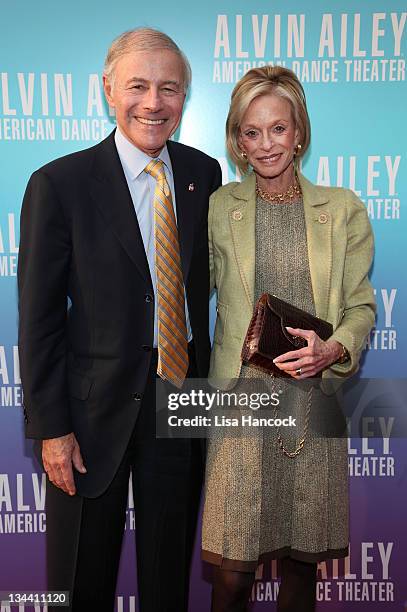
284 197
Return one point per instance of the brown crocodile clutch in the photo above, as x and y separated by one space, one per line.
267 337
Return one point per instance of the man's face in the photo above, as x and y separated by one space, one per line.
148 96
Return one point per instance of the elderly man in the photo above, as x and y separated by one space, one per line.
113 292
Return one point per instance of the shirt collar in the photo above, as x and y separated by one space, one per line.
133 160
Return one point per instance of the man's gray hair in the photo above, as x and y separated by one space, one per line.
143 39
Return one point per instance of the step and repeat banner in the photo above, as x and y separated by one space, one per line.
350 57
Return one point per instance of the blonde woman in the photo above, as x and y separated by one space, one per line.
311 246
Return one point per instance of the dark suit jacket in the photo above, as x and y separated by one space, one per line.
84 369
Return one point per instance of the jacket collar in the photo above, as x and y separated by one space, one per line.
109 190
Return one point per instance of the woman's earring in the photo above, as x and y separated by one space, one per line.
243 154
297 149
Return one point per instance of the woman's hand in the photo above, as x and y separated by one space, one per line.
308 361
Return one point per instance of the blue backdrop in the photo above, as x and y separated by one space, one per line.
351 61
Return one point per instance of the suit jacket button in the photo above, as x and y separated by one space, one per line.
137 397
323 217
148 297
146 347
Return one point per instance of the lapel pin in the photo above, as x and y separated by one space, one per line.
191 187
237 215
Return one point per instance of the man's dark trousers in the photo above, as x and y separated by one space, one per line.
166 479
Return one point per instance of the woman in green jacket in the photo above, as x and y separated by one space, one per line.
312 246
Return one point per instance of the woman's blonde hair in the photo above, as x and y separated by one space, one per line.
257 82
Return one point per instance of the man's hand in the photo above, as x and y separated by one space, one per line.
308 361
58 455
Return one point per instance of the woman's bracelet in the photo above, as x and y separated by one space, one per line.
344 356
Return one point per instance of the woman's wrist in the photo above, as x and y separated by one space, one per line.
338 352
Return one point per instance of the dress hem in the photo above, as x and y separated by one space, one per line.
287 551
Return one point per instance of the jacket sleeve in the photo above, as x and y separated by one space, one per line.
359 305
43 271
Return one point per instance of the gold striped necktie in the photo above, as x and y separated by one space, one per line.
172 331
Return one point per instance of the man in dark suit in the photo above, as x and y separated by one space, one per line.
103 312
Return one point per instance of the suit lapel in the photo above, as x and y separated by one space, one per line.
110 192
241 214
319 240
185 203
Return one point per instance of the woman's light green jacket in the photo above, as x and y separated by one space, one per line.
340 251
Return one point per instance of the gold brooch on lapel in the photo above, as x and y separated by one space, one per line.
191 187
237 215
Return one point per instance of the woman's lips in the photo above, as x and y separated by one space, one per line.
269 158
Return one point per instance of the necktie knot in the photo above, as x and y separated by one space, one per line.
156 168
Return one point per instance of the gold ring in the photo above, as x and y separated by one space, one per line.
298 371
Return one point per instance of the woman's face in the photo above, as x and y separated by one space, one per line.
268 136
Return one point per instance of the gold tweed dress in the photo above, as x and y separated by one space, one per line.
259 503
